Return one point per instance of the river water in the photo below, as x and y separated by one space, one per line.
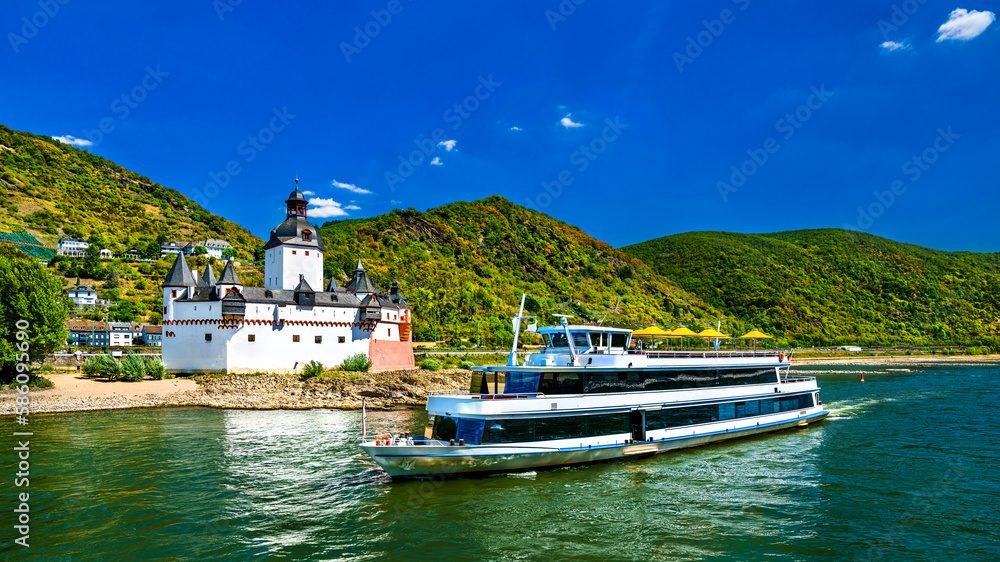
904 469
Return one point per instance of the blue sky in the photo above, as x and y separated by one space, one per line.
630 120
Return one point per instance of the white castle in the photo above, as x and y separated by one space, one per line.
219 325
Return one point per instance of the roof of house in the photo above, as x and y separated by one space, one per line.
151 329
86 326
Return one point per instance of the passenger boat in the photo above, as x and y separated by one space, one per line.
588 397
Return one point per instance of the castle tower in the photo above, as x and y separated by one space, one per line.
179 284
294 253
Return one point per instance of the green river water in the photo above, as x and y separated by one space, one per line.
905 468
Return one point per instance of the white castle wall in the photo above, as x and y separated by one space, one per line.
283 264
273 349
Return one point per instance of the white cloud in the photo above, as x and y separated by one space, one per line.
352 208
325 208
394 202
448 144
308 193
350 187
569 123
437 162
73 141
963 25
515 128
895 46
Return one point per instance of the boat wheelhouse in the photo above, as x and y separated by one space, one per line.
587 397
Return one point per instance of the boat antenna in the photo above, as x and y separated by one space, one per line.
512 359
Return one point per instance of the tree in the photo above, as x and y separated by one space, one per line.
32 295
153 250
114 279
200 250
229 253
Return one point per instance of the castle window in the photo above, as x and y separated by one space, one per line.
306 236
173 294
295 338
208 337
251 337
307 252
293 252
390 332
268 294
164 310
340 339
319 339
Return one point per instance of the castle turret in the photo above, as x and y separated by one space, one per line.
359 283
230 280
178 284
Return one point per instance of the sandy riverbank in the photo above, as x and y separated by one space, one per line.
72 392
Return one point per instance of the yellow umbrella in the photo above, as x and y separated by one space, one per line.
710 333
682 332
651 331
754 334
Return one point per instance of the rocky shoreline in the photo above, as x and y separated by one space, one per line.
381 391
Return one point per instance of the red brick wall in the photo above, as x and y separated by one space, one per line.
390 355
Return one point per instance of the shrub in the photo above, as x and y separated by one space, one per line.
102 366
40 382
155 369
467 365
313 369
430 365
133 368
357 362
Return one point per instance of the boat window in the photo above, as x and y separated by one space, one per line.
619 340
445 428
558 340
690 415
516 383
561 383
555 427
580 340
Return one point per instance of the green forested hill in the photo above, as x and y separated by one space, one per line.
834 286
53 190
465 263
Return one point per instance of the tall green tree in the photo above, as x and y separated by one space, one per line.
28 293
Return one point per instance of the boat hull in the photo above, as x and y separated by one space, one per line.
402 461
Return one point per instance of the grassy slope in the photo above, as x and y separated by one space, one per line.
469 262
836 286
52 190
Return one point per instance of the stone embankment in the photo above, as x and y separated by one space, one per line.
386 390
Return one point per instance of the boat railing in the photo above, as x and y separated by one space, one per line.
704 354
477 396
797 379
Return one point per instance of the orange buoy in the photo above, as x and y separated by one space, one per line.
862 377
